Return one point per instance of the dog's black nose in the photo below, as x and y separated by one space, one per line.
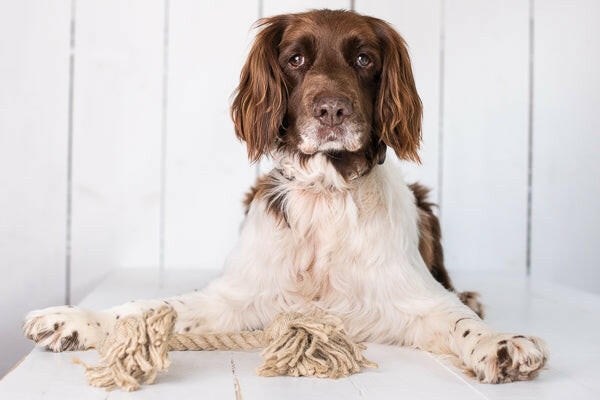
331 111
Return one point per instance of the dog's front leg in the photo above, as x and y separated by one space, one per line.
490 356
227 304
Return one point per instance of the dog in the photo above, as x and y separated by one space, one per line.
332 226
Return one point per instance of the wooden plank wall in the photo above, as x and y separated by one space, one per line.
566 139
207 170
485 132
116 147
34 119
117 112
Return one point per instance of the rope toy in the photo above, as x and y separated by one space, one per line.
294 345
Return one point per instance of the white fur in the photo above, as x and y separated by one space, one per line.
350 140
350 248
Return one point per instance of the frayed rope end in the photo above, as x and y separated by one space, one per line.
311 345
135 351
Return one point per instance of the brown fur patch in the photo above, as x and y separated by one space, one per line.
41 335
430 247
352 165
430 236
251 194
70 342
471 299
264 188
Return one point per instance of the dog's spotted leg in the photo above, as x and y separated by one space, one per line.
213 309
65 328
498 357
491 357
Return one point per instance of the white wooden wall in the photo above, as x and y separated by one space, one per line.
116 147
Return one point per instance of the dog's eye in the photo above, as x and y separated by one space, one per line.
363 60
297 60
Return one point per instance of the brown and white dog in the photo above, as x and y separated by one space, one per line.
332 226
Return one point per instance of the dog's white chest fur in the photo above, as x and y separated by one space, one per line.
344 246
322 224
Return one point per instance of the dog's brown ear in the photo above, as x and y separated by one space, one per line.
260 99
398 108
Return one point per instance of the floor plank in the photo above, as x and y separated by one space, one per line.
409 373
258 387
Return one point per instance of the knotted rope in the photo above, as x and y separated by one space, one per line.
294 345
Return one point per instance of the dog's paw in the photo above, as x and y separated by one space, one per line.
504 358
63 328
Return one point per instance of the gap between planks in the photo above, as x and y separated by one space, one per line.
456 375
236 382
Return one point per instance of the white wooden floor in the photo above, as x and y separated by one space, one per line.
569 320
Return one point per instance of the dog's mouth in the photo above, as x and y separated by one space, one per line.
330 134
316 137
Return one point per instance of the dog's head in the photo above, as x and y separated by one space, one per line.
328 81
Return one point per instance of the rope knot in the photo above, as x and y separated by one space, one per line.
310 345
134 352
